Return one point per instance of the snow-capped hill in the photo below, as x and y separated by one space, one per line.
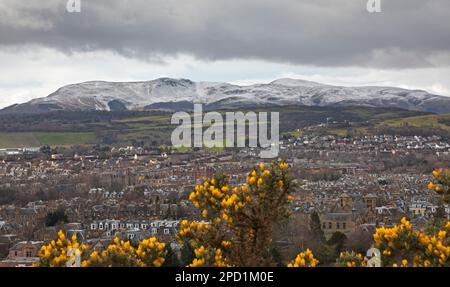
179 93
296 83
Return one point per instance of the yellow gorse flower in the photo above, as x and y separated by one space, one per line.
284 166
304 259
424 250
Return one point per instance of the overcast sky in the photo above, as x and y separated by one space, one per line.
43 47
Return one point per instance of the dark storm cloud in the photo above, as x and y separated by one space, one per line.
408 33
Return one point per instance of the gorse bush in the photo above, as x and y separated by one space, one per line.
118 254
150 253
401 245
304 259
351 259
236 231
55 254
441 184
240 218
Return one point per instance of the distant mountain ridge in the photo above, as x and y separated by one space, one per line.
180 94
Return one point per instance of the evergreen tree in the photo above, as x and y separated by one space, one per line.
324 253
316 228
438 221
337 240
54 218
171 258
187 254
440 212
277 257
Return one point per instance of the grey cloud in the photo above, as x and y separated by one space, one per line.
408 33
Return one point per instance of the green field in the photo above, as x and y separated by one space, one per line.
343 132
440 124
431 121
36 139
151 118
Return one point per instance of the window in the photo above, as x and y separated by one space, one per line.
338 225
154 230
166 231
29 254
344 225
324 226
330 225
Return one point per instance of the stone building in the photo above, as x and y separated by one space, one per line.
348 213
